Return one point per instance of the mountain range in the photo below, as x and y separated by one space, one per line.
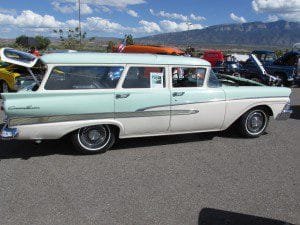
280 33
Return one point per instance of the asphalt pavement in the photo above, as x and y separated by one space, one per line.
184 179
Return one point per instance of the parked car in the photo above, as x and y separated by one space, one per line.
230 66
78 97
152 49
266 57
284 67
256 71
15 77
9 78
213 56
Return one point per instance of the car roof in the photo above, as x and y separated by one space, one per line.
120 58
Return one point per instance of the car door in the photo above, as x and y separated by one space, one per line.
195 106
142 100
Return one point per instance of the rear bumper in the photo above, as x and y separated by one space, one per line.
8 133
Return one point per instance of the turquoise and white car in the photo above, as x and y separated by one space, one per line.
96 98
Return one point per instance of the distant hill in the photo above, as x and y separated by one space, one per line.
279 33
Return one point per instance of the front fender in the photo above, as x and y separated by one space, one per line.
236 108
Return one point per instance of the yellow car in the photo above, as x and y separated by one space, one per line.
10 77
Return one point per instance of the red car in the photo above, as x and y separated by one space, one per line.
213 56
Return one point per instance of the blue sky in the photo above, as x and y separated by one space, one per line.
139 17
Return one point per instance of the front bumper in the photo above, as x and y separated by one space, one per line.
285 113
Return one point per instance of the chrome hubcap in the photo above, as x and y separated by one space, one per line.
256 122
94 137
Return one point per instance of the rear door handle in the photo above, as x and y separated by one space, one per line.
122 95
175 94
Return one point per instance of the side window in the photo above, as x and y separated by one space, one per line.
213 80
83 77
188 77
145 77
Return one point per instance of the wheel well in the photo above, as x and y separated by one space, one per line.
115 129
266 108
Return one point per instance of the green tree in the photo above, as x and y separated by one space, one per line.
71 38
129 40
110 46
42 42
22 41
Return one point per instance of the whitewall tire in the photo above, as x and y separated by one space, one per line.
94 139
253 123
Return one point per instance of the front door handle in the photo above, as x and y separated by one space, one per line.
122 95
175 94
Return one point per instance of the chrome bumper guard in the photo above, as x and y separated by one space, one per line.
285 113
8 133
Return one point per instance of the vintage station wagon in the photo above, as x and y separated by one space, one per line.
95 98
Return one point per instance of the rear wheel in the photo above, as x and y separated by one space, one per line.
94 139
253 123
3 87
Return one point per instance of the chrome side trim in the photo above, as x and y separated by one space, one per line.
17 121
183 103
233 99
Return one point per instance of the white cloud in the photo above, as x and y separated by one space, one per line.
30 19
121 4
70 8
85 9
169 15
237 18
105 9
272 18
6 19
8 11
132 13
6 30
149 27
72 23
197 18
284 9
30 22
171 26
176 16
62 8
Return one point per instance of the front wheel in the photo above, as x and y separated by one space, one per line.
253 123
94 139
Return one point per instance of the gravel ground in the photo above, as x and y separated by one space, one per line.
184 179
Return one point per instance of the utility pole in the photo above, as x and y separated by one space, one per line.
79 21
188 31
